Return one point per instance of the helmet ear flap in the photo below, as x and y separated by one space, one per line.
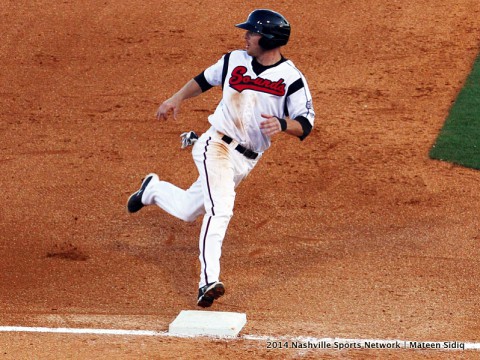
267 44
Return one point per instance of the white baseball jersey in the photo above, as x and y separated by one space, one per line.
249 90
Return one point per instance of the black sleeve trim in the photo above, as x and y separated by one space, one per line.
202 82
306 126
226 59
296 85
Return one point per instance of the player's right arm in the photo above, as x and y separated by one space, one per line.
213 76
189 90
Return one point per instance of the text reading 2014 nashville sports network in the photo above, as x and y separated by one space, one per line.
342 345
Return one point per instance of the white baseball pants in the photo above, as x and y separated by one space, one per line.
221 169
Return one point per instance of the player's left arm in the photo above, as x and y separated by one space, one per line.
273 125
298 110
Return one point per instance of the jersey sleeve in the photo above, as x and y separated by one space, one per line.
299 104
213 74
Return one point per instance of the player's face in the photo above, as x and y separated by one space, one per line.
252 46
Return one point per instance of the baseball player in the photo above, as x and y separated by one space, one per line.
264 94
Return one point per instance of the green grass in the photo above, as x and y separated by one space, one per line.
459 139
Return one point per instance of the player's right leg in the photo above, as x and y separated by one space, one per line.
134 202
186 205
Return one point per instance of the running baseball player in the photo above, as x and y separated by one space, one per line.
264 94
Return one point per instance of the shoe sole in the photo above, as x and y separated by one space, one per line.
211 294
146 180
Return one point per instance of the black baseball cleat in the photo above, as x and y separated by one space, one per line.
134 202
210 292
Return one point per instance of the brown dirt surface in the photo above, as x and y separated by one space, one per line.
353 233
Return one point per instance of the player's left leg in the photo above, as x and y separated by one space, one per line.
221 169
217 179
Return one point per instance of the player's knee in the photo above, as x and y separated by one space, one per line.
189 218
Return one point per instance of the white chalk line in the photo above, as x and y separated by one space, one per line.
283 341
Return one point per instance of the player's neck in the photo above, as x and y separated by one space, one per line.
269 57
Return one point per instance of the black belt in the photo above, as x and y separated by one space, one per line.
241 149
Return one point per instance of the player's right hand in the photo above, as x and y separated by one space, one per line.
166 107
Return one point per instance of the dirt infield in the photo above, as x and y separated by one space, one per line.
354 233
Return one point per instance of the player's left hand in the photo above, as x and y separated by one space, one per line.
270 126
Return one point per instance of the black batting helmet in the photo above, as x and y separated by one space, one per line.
273 27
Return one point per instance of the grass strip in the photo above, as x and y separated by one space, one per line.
459 139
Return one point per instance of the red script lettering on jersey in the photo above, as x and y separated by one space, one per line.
241 82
